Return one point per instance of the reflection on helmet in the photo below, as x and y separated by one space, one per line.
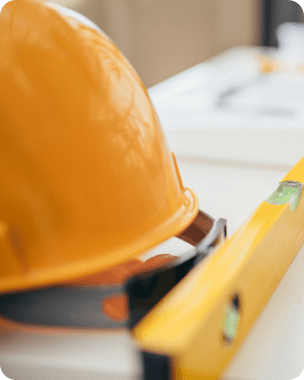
87 180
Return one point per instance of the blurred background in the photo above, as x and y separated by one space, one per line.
163 37
226 79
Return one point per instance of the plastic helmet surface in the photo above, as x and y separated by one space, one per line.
87 179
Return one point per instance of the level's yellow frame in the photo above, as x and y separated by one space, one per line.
187 324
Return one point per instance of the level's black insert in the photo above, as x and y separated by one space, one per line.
156 367
236 302
231 320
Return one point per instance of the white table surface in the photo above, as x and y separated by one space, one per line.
273 351
262 122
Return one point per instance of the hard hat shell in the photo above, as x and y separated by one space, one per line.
87 179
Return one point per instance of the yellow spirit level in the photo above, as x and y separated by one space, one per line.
202 322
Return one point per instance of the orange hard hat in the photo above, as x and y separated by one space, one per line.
87 179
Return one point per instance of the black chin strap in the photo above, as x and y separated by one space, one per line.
62 306
147 289
81 306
